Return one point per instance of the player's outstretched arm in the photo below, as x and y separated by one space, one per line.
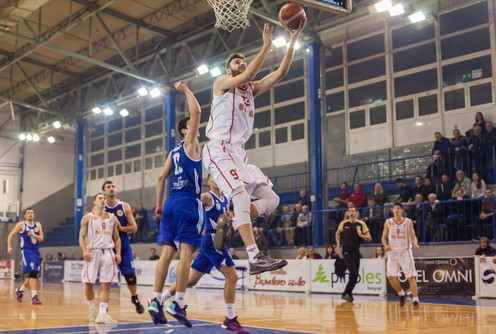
224 83
17 228
191 143
164 174
385 233
207 200
83 233
273 78
131 227
117 240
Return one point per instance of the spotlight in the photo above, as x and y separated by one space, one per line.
142 91
382 6
22 136
36 137
29 137
108 111
97 110
396 10
215 72
51 139
279 42
57 125
296 46
202 69
124 112
155 92
416 17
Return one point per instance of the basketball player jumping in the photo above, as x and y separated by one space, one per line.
30 235
127 224
98 237
182 213
398 237
229 127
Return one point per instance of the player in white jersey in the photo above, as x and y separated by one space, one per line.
229 127
398 237
98 236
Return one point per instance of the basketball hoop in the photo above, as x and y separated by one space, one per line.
231 14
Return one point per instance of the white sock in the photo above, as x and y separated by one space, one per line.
230 313
157 295
91 304
103 309
180 299
34 293
415 299
401 293
252 250
21 288
166 295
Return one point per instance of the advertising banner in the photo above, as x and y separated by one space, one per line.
52 271
145 272
7 269
293 277
443 277
486 278
216 280
371 277
72 271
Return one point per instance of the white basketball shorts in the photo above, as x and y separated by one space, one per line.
102 266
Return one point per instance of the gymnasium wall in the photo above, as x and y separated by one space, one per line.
9 167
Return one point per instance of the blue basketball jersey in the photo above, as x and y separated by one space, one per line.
219 207
29 242
120 213
186 172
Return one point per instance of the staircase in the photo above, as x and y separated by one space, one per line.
62 235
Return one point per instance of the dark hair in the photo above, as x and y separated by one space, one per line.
346 184
183 124
234 56
333 251
383 252
25 210
438 133
398 204
481 114
479 181
94 197
420 177
105 183
399 180
427 177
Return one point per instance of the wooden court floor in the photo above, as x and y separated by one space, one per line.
64 310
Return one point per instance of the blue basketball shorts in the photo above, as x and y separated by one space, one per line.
31 260
127 262
209 257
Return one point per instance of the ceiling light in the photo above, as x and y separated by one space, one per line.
279 42
124 112
215 72
202 69
22 136
382 6
29 137
51 140
142 91
296 46
97 110
416 17
36 137
396 10
108 111
155 92
57 125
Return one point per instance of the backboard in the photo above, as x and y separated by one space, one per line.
340 7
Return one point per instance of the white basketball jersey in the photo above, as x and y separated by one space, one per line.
399 233
100 232
232 115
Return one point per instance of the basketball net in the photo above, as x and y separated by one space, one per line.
231 14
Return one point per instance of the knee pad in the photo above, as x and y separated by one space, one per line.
130 278
241 202
33 274
267 199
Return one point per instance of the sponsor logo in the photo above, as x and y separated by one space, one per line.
488 276
120 213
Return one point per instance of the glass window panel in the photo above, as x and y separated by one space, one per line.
404 110
203 134
205 114
261 74
93 174
114 155
153 129
153 146
366 70
460 72
100 173
415 83
481 94
128 167
133 135
295 71
133 151
357 119
158 161
264 138
427 105
133 120
290 113
114 140
367 94
251 142
282 135
464 18
421 55
469 42
96 145
335 102
411 34
263 100
262 119
335 58
378 115
181 103
97 130
154 113
97 159
297 131
114 125
454 99
148 163
334 79
118 169
110 171
289 91
366 47
204 97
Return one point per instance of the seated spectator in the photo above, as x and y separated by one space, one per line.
462 183
485 249
288 225
379 196
302 254
347 214
419 187
372 216
434 214
156 222
445 188
406 191
260 240
331 253
49 257
343 196
478 186
153 254
416 210
429 187
459 145
61 257
441 150
260 222
232 252
311 254
275 230
459 213
477 151
303 199
380 253
358 196
487 211
303 224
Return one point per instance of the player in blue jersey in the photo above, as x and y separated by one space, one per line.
215 204
30 235
122 211
182 213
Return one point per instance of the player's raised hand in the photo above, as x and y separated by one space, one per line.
296 33
117 259
87 256
181 86
267 35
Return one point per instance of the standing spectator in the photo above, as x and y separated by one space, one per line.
406 192
302 254
372 216
477 151
156 221
479 121
434 215
303 223
232 252
484 249
441 149
478 186
358 196
260 240
331 253
153 254
429 187
288 225
303 200
490 141
379 196
419 187
462 183
275 230
445 188
343 196
353 231
459 145
311 254
380 253
142 222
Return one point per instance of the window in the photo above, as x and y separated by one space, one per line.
97 130
295 71
412 34
378 115
335 58
367 94
263 100
250 143
93 174
459 72
153 129
204 97
114 125
153 113
114 155
132 121
264 138
133 135
289 91
133 151
464 18
357 119
421 55
334 79
335 102
262 119
114 140
118 169
153 146
158 161
366 70
97 145
100 173
427 105
290 113
297 131
203 134
96 160
282 135
262 74
148 163
454 99
128 167
415 83
404 110
366 47
205 114
4 186
110 171
481 94
469 42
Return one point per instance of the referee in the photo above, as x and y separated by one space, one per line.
353 231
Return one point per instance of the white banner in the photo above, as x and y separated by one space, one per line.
293 277
485 276
371 280
7 269
72 271
145 272
216 280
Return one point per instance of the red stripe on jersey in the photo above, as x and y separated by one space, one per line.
208 149
232 119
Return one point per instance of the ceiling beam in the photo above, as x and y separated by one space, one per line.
28 105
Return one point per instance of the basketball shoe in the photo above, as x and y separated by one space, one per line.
179 313
233 325
105 319
156 311
93 314
139 307
36 301
402 300
349 298
19 295
416 305
224 230
265 263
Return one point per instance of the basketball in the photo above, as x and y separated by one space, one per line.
291 15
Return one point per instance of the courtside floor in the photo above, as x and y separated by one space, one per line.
64 310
